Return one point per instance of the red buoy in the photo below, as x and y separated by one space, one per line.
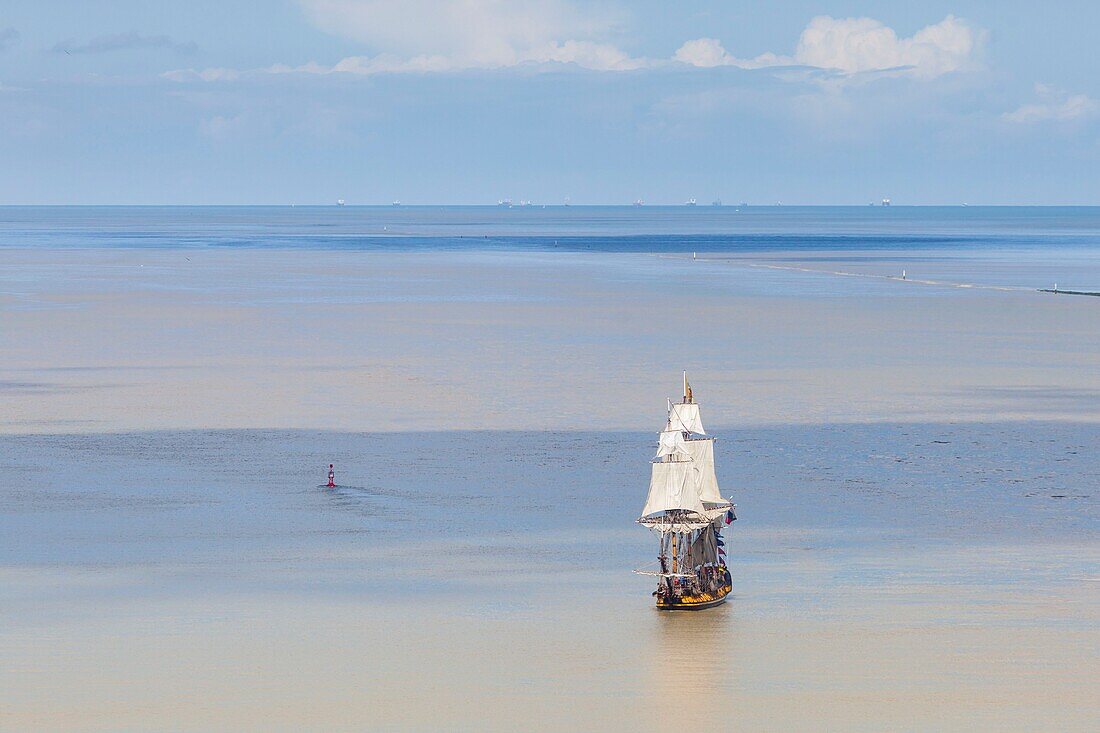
331 477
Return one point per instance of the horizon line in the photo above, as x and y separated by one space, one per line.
554 206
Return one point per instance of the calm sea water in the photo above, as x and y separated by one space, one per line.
501 516
610 228
888 574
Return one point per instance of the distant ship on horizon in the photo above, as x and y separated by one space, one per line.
689 202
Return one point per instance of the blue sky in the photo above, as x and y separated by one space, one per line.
607 102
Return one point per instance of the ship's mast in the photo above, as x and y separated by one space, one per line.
672 535
684 504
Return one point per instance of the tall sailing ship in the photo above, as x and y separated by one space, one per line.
687 512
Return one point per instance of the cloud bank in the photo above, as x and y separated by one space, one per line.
434 36
856 45
469 34
430 36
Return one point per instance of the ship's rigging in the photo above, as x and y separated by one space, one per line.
686 509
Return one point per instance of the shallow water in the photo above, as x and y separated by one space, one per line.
488 573
914 463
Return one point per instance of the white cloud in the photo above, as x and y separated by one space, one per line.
854 45
588 55
436 35
469 33
585 54
705 52
426 36
431 36
381 64
862 44
1055 105
708 52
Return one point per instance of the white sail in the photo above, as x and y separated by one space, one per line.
672 486
702 458
672 443
685 416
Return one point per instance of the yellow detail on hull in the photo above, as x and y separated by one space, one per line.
696 601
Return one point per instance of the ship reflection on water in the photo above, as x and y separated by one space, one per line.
694 655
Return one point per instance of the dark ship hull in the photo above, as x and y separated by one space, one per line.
693 599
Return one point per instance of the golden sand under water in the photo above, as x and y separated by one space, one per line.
146 339
162 570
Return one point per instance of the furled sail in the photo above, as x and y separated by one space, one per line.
672 486
702 458
692 553
704 547
700 549
685 416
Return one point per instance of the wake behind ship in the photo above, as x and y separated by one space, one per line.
687 512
